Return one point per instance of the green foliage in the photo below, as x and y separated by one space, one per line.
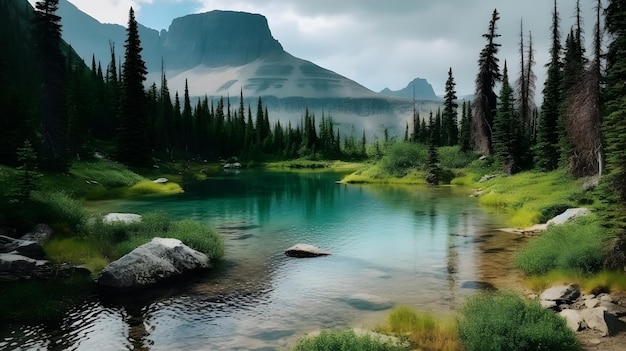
503 321
575 246
58 207
400 158
453 157
76 250
344 341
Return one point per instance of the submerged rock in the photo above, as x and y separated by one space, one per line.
153 262
369 302
305 250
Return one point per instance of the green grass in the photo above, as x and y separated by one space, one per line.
573 246
107 173
503 321
530 197
603 281
117 239
76 250
424 330
345 340
375 174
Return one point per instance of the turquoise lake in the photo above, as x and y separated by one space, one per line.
422 247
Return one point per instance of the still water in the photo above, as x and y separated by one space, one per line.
415 246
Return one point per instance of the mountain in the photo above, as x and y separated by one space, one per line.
419 89
221 53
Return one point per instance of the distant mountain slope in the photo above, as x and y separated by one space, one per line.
418 88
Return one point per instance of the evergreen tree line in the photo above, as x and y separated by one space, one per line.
81 104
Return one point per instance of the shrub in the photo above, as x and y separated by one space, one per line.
149 187
503 321
453 157
344 341
401 157
578 245
58 207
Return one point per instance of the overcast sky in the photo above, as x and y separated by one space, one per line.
379 43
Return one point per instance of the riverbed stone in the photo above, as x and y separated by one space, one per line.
598 319
569 215
14 266
152 262
573 318
369 302
305 250
127 218
561 294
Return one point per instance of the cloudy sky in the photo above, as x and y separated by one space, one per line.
379 43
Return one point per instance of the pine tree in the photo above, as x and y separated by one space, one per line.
485 99
505 139
132 139
449 122
525 102
465 134
614 126
27 159
52 65
547 147
432 175
187 121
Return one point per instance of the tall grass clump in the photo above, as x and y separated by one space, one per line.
503 321
145 187
346 340
58 207
603 281
424 331
117 239
573 246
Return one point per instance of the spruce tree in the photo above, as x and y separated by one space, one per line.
547 147
52 65
614 126
432 171
465 134
485 99
132 138
505 141
449 123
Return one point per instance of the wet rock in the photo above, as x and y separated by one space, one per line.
127 218
153 262
569 215
305 250
573 318
561 294
369 302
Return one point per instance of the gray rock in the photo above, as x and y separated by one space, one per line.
127 218
369 302
40 234
150 263
486 177
14 266
592 303
305 250
161 180
598 319
26 248
234 165
569 215
573 318
613 309
548 304
591 183
561 294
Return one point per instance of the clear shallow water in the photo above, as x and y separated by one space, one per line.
415 246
